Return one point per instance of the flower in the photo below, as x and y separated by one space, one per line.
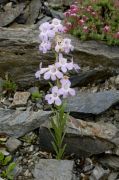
106 29
65 90
40 72
64 46
57 26
63 64
45 46
53 73
54 97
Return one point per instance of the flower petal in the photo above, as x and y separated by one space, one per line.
58 101
47 75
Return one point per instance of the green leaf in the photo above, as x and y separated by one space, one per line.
7 160
1 157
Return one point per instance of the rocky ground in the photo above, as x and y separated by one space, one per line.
92 133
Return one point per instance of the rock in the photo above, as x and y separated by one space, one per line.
92 103
13 144
20 99
49 169
117 80
10 14
1 85
82 138
113 176
34 10
20 56
59 3
99 173
110 161
18 123
33 90
91 76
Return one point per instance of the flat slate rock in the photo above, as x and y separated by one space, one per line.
82 138
51 169
92 103
17 123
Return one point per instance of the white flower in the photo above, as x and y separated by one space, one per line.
65 90
54 97
63 64
53 73
57 26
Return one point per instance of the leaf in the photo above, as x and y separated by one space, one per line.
11 167
1 157
7 160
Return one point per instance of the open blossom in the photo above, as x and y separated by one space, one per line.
57 26
66 89
106 28
63 64
64 46
40 71
52 73
54 96
45 46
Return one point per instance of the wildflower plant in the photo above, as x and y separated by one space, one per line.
51 37
94 19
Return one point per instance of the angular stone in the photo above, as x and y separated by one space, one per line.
20 99
110 161
10 14
82 138
91 76
51 169
22 61
12 144
34 9
92 103
99 173
17 123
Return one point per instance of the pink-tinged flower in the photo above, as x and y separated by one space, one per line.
54 97
106 29
53 73
63 64
117 35
57 26
85 29
81 22
67 14
65 90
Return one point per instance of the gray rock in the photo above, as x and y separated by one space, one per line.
82 138
34 10
59 3
33 90
13 144
18 123
10 14
20 99
92 103
113 176
110 161
1 85
51 169
99 173
91 76
22 61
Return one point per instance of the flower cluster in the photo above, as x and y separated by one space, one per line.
94 19
51 38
